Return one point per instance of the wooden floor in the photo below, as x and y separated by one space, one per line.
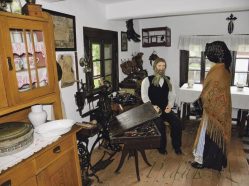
172 169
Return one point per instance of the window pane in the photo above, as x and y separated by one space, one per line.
208 65
97 82
108 51
96 68
241 65
43 77
195 51
108 78
194 75
30 59
241 68
23 80
240 78
242 55
95 51
108 67
194 64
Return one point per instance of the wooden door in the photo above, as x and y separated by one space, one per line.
29 59
61 172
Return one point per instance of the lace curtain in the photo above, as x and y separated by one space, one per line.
238 43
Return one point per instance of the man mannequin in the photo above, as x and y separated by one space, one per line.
159 91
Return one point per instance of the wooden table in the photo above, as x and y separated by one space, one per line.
130 119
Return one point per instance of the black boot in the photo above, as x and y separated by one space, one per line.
197 165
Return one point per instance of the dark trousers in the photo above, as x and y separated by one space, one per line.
175 128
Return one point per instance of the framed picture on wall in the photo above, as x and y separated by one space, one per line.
124 41
64 31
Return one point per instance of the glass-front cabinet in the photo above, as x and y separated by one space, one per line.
27 59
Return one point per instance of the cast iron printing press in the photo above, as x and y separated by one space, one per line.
135 129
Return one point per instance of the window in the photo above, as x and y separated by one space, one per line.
198 66
101 47
241 70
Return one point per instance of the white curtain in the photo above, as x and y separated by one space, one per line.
238 43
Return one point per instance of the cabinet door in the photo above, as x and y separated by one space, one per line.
61 172
30 62
3 98
29 182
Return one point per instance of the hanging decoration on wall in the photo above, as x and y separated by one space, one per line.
66 63
131 34
4 4
153 57
230 24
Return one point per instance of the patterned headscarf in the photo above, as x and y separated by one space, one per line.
157 77
218 52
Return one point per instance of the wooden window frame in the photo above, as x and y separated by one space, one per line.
184 64
91 35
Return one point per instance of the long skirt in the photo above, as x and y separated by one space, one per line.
208 153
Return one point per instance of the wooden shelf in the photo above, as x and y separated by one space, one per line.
159 36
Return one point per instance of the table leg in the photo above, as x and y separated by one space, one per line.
242 123
144 156
136 163
239 117
185 111
125 151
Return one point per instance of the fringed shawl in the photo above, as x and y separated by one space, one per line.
216 99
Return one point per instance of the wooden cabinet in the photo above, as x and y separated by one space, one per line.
60 171
28 57
28 73
159 36
13 177
57 164
28 76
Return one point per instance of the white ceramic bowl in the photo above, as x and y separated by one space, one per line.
55 125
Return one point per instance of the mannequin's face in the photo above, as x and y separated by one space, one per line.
160 68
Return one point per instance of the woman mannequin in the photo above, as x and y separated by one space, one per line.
215 128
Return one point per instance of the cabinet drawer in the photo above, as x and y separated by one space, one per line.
53 153
19 174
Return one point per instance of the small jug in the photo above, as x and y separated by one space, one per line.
37 116
190 83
